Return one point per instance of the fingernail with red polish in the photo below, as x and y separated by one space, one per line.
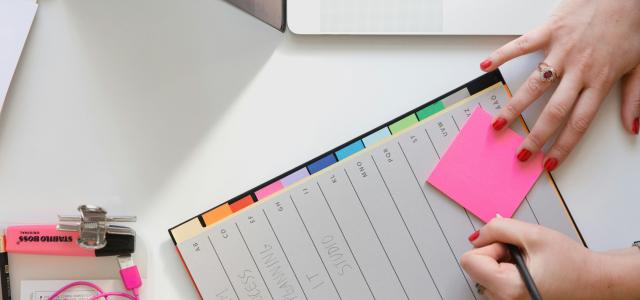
550 164
499 123
485 64
524 155
636 126
474 236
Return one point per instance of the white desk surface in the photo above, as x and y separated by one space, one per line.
163 109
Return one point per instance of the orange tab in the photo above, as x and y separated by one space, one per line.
216 214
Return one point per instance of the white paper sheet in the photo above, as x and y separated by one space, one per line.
16 17
43 289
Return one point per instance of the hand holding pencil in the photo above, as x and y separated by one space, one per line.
560 267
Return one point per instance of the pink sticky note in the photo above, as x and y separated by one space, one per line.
480 170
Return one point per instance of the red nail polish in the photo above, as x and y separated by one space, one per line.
485 64
550 164
474 236
524 155
636 126
499 123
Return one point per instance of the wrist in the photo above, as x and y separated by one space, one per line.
618 274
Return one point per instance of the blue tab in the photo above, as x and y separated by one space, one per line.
375 137
349 150
321 163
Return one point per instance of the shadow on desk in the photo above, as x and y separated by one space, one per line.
113 96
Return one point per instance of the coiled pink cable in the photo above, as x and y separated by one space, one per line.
101 294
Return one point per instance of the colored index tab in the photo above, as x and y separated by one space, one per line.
216 214
241 203
295 177
187 230
349 150
321 163
269 189
430 110
375 137
480 170
403 123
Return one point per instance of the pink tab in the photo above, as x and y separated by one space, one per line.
269 189
480 170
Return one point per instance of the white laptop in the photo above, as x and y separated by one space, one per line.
416 17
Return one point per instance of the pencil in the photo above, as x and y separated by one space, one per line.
4 272
524 272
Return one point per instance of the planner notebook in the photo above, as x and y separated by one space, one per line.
358 222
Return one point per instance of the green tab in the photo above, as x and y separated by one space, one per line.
402 124
430 110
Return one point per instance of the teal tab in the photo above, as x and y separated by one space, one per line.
375 137
430 110
349 150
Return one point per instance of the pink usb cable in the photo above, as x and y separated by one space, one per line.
130 279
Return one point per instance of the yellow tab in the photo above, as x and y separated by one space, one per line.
187 230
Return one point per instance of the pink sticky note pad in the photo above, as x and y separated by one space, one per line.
480 170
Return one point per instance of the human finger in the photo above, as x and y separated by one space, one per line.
530 91
490 295
496 251
631 101
529 42
552 116
504 230
578 123
483 264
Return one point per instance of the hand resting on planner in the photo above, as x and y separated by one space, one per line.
561 267
588 46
